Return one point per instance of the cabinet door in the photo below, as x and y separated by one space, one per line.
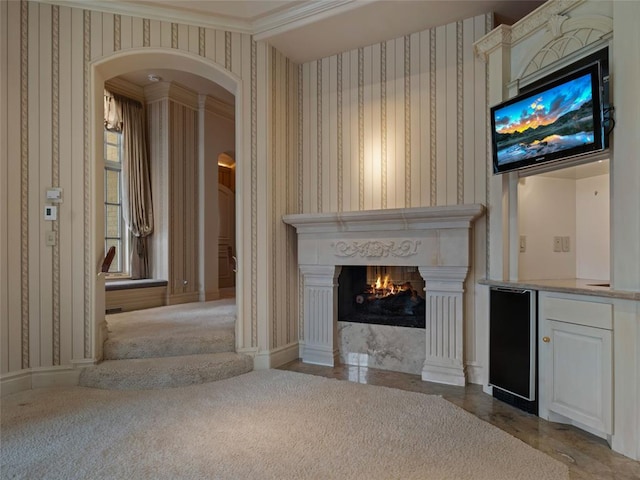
575 373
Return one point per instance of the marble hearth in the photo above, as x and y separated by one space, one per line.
436 240
387 347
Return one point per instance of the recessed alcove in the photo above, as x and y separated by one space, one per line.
563 223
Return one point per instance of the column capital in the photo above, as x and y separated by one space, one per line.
321 274
444 274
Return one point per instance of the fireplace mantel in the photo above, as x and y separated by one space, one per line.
435 239
455 216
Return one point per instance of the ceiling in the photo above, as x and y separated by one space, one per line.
306 30
578 172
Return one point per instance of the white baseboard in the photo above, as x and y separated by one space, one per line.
283 355
276 357
40 377
60 377
15 382
475 374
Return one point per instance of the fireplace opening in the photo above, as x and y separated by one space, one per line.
382 295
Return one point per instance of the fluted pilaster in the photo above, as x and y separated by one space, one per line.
320 314
444 362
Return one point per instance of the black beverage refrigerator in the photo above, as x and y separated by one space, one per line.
513 346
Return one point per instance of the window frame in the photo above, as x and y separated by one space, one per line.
122 241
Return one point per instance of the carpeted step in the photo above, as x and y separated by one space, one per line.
171 343
167 372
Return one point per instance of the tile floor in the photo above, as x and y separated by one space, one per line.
588 457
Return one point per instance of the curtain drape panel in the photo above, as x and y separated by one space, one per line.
127 116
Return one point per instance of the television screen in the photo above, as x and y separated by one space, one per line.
558 120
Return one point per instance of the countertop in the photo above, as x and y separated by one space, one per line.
579 286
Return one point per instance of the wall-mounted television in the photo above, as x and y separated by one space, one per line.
558 120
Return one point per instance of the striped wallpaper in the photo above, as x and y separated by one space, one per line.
396 124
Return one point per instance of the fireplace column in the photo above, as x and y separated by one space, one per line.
320 314
444 361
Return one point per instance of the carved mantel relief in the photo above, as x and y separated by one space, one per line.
375 248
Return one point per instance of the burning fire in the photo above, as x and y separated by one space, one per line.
383 288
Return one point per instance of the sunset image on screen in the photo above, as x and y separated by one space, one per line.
553 120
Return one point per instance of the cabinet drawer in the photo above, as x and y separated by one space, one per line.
591 314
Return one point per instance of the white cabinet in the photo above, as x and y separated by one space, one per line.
575 363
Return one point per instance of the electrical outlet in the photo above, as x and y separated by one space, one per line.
566 244
557 244
523 243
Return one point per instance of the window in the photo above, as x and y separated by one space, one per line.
114 226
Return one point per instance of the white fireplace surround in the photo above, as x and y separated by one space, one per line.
435 239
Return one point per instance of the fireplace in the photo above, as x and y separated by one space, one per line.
381 295
433 240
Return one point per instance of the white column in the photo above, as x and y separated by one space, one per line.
320 313
444 362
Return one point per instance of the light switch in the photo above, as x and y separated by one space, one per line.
557 244
566 244
51 239
523 243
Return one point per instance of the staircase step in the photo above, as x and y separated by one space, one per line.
166 372
170 344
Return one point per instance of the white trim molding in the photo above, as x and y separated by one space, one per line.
41 377
276 357
262 27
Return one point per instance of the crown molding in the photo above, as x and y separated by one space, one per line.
536 20
171 91
263 28
540 17
155 12
125 88
217 107
305 14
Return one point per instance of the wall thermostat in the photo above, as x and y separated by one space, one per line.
54 195
50 212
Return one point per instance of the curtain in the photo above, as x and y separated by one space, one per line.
127 116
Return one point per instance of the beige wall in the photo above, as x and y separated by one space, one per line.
546 209
53 62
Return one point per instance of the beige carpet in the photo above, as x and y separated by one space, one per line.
172 346
262 425
176 330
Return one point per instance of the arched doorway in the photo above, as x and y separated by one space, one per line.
125 62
